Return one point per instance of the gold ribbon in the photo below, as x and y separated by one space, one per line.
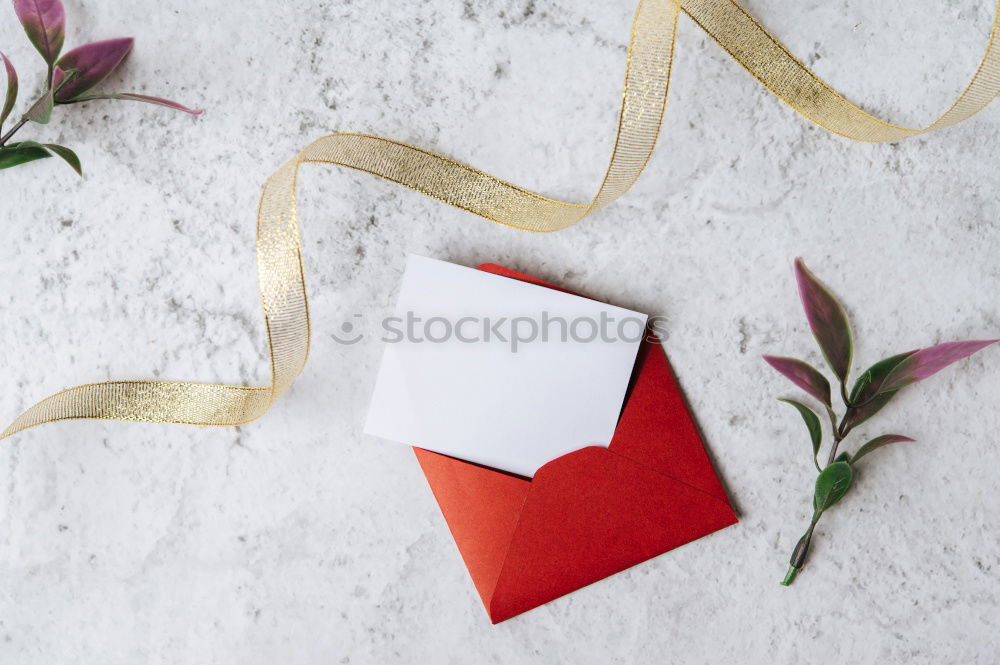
647 77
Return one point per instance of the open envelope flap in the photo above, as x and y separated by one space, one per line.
482 508
593 513
588 514
656 428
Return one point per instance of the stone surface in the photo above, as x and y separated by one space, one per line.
295 539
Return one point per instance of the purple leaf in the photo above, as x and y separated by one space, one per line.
802 375
827 320
8 104
92 62
877 443
45 23
142 98
925 362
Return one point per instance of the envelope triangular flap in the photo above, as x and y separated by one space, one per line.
591 514
481 507
657 428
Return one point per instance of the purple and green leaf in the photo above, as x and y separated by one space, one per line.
827 320
803 375
71 76
877 443
93 63
11 96
44 22
867 396
141 98
812 424
927 362
872 380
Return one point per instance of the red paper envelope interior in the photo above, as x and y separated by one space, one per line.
591 513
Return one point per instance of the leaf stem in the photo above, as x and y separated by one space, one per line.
833 420
13 130
840 431
838 436
798 558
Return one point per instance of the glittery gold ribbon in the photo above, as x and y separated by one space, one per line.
647 76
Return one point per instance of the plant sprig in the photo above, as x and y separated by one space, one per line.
875 388
69 80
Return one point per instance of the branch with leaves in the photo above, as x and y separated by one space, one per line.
69 80
871 392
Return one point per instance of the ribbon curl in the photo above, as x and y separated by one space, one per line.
647 78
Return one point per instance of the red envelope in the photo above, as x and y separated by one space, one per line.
588 514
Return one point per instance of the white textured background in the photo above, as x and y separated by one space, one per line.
295 540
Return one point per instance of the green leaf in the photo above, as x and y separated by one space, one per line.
68 156
861 384
831 485
41 111
870 382
812 424
879 442
16 154
858 415
843 457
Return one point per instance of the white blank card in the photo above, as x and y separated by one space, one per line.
500 372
